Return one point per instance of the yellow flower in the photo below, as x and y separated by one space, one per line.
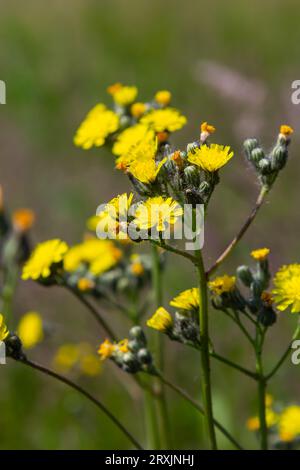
157 212
168 119
161 320
289 423
66 357
187 300
122 346
271 419
146 170
98 124
260 254
112 89
222 284
287 288
130 137
30 329
106 349
84 284
286 130
138 109
210 158
3 329
207 128
23 220
43 257
125 95
136 266
99 255
163 97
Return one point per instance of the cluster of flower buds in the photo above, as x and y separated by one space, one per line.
131 355
225 294
269 165
259 302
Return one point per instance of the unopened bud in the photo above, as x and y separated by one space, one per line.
264 166
245 275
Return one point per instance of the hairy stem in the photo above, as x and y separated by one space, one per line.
262 383
83 392
205 359
260 199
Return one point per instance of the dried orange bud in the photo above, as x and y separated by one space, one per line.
286 130
23 219
205 127
112 89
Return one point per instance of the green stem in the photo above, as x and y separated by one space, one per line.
198 407
159 348
174 250
205 359
232 364
79 389
262 383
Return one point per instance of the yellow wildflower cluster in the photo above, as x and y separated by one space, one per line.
222 284
107 348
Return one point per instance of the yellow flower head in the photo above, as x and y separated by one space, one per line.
112 89
271 419
106 349
222 284
207 128
79 355
286 130
163 97
66 357
138 109
3 329
99 123
99 255
168 119
187 300
122 346
146 170
23 220
260 254
84 284
30 329
289 423
125 95
131 137
157 212
136 266
161 320
286 290
210 158
43 257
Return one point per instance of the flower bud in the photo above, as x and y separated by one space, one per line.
136 333
192 176
250 144
279 157
257 155
192 146
264 166
144 356
204 188
245 275
266 316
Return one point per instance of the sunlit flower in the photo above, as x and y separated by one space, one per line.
157 212
146 170
163 97
168 119
138 109
106 349
99 255
23 219
187 300
210 158
125 95
3 329
286 130
30 330
99 123
43 257
222 284
289 423
161 320
131 137
122 346
286 290
260 254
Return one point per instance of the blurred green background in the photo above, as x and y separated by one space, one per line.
230 63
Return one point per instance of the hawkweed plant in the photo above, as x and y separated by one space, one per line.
106 271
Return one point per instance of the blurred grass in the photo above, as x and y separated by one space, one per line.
57 60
